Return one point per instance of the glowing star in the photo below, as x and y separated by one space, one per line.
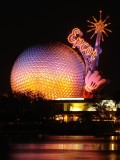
99 28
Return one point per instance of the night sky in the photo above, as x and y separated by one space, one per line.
52 21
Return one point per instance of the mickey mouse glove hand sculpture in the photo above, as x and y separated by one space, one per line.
94 81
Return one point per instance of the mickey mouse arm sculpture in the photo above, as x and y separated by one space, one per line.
94 81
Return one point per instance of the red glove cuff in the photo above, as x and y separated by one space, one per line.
88 89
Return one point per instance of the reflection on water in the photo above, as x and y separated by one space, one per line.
67 148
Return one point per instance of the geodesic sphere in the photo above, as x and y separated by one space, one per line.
51 70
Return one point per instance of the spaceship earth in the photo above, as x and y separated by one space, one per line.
52 71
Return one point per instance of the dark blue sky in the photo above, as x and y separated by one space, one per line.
25 25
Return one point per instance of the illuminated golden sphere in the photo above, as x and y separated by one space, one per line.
51 70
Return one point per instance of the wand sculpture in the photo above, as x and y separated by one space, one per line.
99 28
93 80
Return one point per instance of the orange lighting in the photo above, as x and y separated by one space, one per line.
53 71
81 44
99 27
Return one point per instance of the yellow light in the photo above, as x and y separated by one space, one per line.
99 26
65 118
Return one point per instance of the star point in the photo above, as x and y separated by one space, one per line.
99 26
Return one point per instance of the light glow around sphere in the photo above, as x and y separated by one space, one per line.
52 70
